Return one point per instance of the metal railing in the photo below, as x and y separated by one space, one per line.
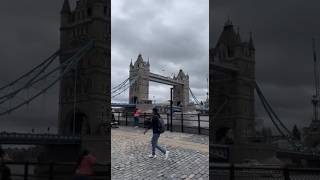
188 123
242 172
52 171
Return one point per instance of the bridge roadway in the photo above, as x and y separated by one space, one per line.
123 105
163 80
220 153
37 139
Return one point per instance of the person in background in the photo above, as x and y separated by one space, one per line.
5 172
136 115
84 166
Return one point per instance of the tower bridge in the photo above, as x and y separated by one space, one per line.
84 73
232 119
140 76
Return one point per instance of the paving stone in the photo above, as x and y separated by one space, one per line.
188 158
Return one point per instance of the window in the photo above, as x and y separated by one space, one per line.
89 12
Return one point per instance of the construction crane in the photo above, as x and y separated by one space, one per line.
315 98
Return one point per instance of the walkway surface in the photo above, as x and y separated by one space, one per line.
188 158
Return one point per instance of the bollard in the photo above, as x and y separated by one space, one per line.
26 170
167 121
199 128
181 122
126 118
286 174
232 172
51 171
118 117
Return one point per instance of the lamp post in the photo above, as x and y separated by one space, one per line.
171 111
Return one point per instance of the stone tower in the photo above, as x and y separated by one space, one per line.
232 84
85 91
181 92
139 81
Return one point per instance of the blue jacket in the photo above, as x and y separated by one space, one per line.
155 124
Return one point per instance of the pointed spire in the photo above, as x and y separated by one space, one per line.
131 62
238 38
140 59
148 62
251 45
228 22
66 7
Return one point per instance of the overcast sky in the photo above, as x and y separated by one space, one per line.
172 33
282 32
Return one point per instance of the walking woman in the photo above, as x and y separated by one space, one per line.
84 166
157 129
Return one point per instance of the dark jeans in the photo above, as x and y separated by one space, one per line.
136 121
154 142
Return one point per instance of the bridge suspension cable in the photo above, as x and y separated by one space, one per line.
124 87
269 108
194 97
63 69
121 84
45 63
289 137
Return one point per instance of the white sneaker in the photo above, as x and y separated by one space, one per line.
152 156
167 154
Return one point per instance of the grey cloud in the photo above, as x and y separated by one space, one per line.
170 35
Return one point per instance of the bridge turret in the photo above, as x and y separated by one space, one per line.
139 80
65 15
251 47
89 20
233 78
181 92
66 7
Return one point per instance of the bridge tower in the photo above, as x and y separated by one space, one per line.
83 91
84 104
139 80
181 92
232 79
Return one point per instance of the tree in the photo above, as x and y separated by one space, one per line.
296 133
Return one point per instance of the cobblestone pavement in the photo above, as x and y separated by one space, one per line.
188 158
